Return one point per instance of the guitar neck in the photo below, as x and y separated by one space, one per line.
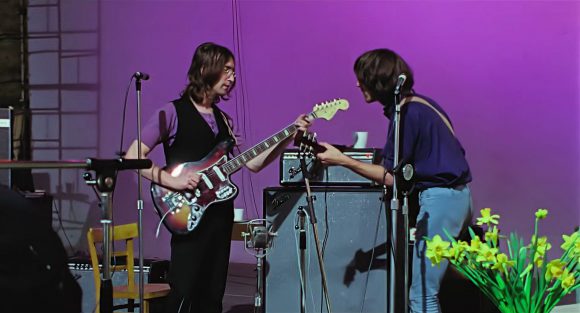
236 163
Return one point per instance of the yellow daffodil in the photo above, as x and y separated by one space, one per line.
572 241
492 236
554 269
474 245
436 249
541 214
503 263
567 279
458 248
486 254
542 246
531 276
487 218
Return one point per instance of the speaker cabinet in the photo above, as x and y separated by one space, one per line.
5 144
352 230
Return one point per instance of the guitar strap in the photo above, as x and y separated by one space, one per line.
422 101
227 120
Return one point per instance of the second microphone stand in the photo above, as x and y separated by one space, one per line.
138 79
395 207
312 217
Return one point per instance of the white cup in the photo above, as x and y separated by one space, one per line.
239 214
360 139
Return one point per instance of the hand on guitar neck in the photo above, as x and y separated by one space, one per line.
306 142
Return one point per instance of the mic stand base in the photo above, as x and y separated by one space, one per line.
391 294
106 291
106 296
258 302
302 254
405 258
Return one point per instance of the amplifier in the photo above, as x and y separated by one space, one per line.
291 172
82 270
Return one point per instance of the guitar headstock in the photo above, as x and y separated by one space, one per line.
328 109
307 143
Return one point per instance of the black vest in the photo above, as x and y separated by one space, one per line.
194 138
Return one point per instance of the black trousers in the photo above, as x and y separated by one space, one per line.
199 263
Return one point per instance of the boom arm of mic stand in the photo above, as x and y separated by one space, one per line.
106 172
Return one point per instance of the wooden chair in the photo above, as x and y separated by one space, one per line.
124 259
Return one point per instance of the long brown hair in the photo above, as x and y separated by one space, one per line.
378 70
206 69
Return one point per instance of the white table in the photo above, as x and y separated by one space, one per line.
571 308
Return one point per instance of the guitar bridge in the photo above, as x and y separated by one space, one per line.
224 192
174 201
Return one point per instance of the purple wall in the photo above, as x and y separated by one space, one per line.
506 72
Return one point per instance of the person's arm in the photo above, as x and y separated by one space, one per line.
157 175
269 155
375 172
160 127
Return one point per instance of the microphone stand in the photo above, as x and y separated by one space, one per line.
312 216
260 240
302 254
395 207
139 195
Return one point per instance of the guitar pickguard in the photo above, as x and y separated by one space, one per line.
183 211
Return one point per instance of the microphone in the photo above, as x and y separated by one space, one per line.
260 237
141 75
400 82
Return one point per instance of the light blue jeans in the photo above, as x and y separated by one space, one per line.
440 208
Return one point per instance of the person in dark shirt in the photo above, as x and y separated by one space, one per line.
189 128
428 142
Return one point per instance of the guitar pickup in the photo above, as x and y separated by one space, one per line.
207 181
219 173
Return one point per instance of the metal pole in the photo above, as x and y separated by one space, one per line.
139 196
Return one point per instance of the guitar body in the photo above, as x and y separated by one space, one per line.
181 211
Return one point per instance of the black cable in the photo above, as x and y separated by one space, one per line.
58 214
120 152
326 234
372 256
240 111
243 94
392 228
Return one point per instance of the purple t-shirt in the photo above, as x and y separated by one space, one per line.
162 126
426 142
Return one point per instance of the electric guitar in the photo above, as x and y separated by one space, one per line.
181 211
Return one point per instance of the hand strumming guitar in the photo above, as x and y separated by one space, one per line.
186 180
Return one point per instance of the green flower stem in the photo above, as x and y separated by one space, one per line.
541 287
478 281
517 285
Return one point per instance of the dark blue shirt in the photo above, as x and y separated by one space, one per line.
428 144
